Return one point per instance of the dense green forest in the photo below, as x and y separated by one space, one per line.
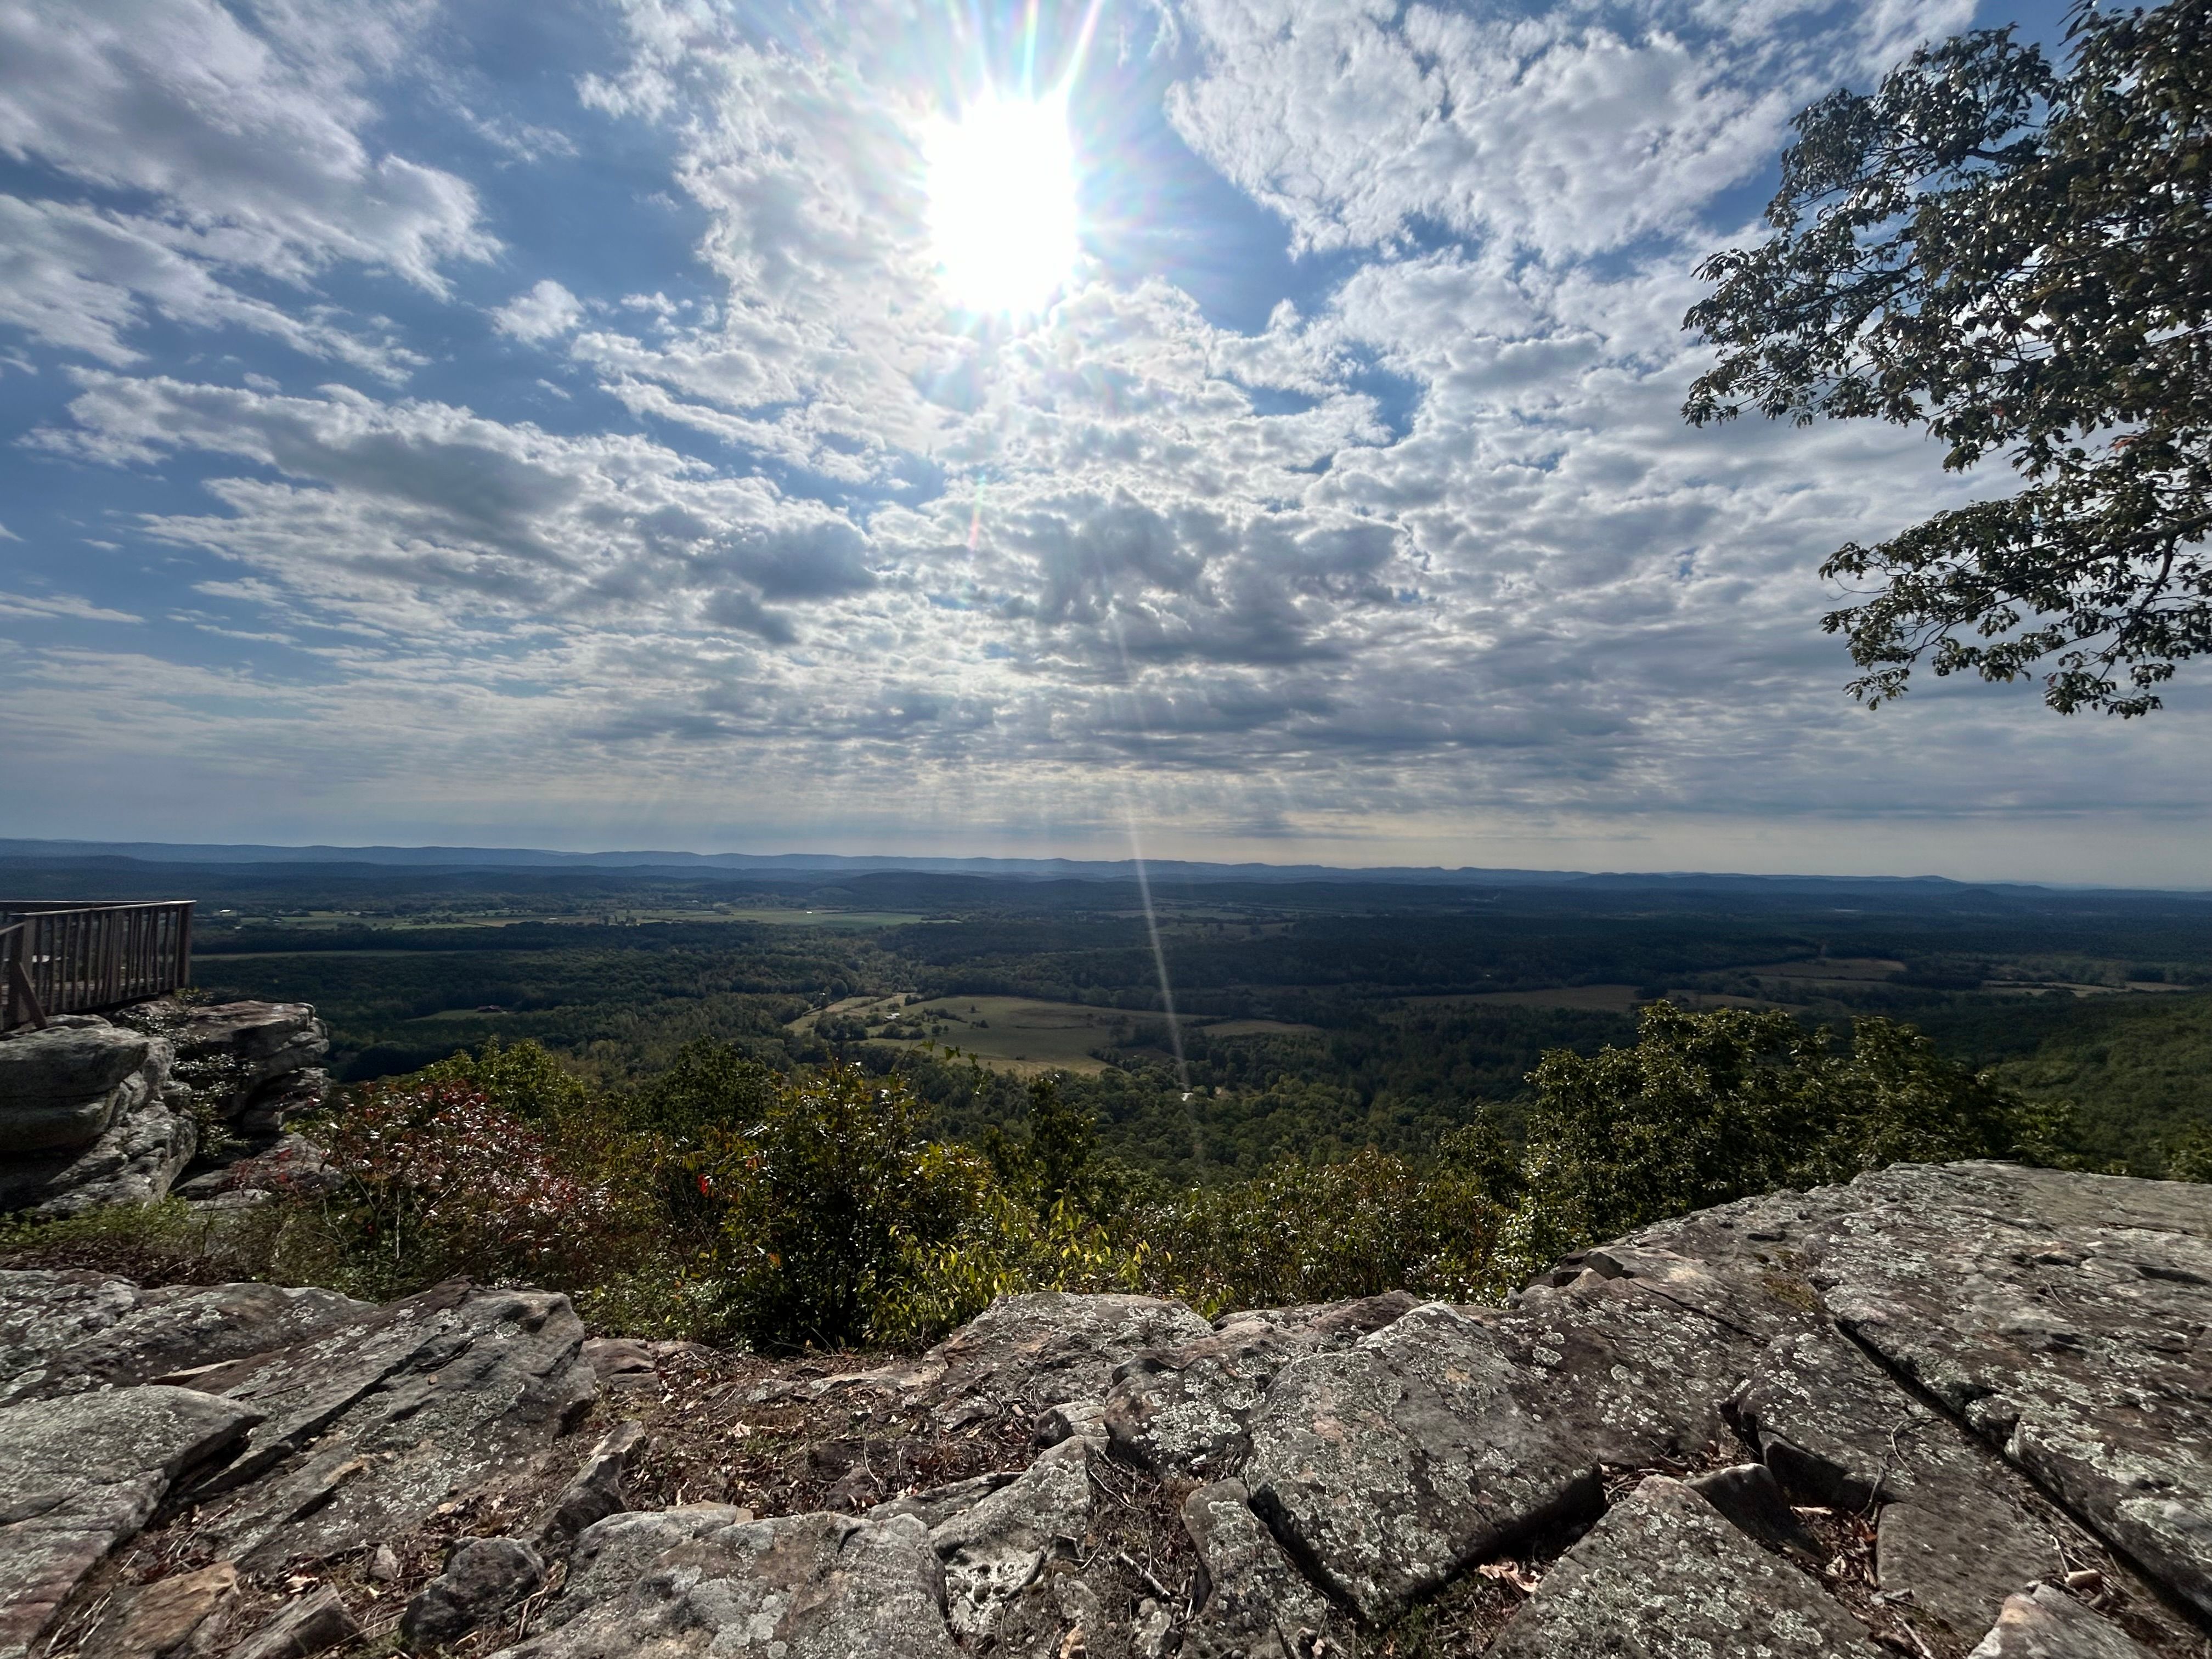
1315 1018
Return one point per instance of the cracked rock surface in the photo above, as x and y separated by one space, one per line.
1663 1573
1948 1411
801 1587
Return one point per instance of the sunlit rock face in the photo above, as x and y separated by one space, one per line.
1956 1410
97 1112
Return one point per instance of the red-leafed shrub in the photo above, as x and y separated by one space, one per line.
438 1179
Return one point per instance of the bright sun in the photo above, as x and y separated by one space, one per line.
1002 204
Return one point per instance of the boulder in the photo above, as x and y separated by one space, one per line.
1955 1532
482 1577
1028 1353
596 1492
1391 1465
1249 1600
311 1624
79 1475
800 1587
293 1166
934 1507
992 1548
83 1119
2059 1317
58 1087
1185 1409
612 1554
1664 1575
66 1331
239 1049
1750 1498
135 1161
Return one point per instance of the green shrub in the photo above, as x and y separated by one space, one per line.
998 1246
1711 1107
2190 1157
522 1078
1375 1222
821 1197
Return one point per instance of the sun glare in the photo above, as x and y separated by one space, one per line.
1002 204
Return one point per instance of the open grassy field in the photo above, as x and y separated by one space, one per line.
1021 1035
1600 999
1830 969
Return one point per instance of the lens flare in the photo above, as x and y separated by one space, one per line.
1002 219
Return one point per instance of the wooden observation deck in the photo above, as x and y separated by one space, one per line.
65 956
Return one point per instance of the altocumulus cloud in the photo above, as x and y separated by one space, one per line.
414 432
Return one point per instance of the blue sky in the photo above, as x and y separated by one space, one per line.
548 423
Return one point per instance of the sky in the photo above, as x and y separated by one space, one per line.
1225 428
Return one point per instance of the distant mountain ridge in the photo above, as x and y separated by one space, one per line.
1115 870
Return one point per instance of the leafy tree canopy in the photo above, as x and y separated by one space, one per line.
2019 258
1711 1107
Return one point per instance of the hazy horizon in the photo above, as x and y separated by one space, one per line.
490 856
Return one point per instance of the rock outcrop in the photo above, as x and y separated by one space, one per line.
97 1112
1949 1411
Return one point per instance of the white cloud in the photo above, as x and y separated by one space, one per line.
546 310
69 607
229 147
1429 553
1568 131
83 279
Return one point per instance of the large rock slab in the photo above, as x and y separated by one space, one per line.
1391 1465
1049 1346
64 1332
83 1118
58 1086
376 1421
1955 1530
612 1554
1028 1353
800 1587
1635 1371
1185 1409
483 1577
241 1049
2065 1318
184 1617
1249 1600
79 1476
1664 1576
136 1161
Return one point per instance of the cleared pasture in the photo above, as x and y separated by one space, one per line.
1598 998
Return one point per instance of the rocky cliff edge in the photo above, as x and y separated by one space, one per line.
97 1112
1941 1411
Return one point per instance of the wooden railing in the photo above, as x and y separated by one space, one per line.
68 958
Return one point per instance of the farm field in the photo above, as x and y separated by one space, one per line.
1025 1036
1021 1036
1597 999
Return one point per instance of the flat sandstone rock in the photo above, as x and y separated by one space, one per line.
1663 1576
